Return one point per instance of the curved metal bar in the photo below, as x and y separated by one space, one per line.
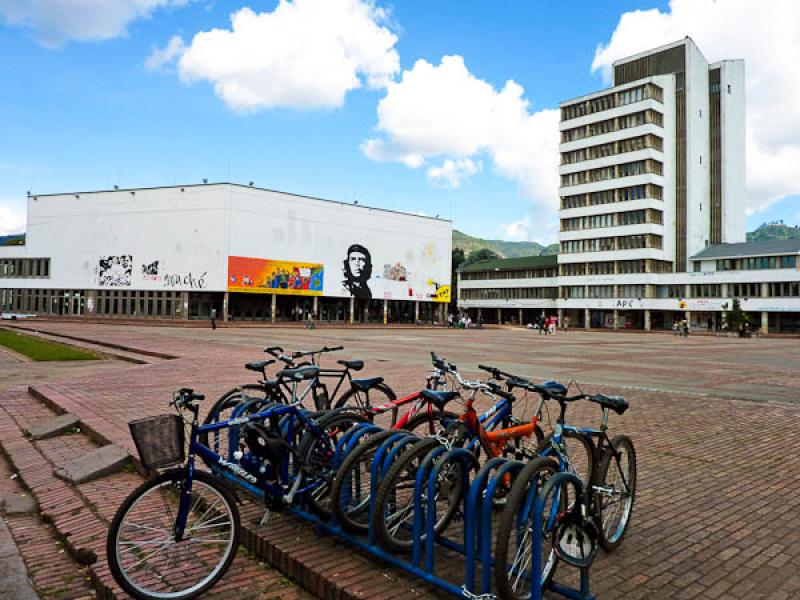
376 470
486 521
419 485
350 438
469 463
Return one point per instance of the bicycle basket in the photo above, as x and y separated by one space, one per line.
159 440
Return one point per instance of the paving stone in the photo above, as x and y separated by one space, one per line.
19 504
103 461
53 426
14 584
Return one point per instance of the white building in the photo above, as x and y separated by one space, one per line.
243 252
652 186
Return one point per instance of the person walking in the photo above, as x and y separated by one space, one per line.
213 318
686 327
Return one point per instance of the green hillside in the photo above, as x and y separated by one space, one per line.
774 231
505 249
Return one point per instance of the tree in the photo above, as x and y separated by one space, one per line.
458 258
736 319
480 255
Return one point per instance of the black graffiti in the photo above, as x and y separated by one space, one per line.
189 280
357 271
151 269
114 271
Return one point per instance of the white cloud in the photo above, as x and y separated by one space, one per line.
451 173
518 231
162 56
305 54
57 21
445 112
12 220
542 228
767 35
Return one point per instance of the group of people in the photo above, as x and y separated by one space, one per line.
681 328
546 325
460 320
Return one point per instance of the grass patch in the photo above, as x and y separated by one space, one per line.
39 349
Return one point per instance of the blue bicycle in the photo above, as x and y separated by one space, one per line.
178 533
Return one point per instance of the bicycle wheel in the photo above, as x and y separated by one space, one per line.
143 555
424 425
352 485
577 450
317 454
380 394
223 408
515 533
394 500
615 491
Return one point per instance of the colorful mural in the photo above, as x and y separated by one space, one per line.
264 276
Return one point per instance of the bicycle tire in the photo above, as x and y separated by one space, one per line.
585 467
173 476
356 470
611 465
317 454
416 424
351 399
534 473
408 462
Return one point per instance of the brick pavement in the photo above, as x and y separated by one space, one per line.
715 498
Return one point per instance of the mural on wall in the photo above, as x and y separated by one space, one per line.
395 272
357 271
115 271
259 275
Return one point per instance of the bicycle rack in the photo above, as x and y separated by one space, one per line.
477 516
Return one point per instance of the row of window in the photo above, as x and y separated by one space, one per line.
24 267
638 167
526 293
635 192
73 302
623 267
139 303
631 217
786 289
612 148
754 263
607 244
510 274
638 119
47 302
609 101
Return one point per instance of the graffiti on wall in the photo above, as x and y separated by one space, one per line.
188 280
259 275
115 271
395 272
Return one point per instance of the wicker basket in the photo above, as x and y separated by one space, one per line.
159 440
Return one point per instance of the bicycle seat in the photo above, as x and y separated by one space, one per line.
439 399
616 403
299 373
553 387
356 365
367 383
258 366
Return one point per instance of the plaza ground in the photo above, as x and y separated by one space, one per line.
714 420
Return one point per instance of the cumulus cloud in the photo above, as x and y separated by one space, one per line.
11 220
519 231
542 227
305 54
55 22
163 56
451 173
445 112
767 35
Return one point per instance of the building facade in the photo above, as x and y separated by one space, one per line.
237 252
652 185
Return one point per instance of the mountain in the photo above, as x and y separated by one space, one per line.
12 240
774 231
505 249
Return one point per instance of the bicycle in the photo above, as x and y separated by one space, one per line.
610 490
177 533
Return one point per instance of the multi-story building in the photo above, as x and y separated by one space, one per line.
652 185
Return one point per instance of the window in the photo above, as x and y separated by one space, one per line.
784 289
601 291
573 201
604 197
670 291
600 268
631 266
744 290
631 291
572 269
25 268
705 290
573 291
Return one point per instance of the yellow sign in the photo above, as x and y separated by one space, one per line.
442 294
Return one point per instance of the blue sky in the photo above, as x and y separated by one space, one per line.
80 110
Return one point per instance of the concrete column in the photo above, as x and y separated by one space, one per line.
587 318
416 311
764 322
561 318
315 306
499 316
647 320
616 319
480 314
385 311
520 317
274 307
225 300
352 310
764 290
90 305
723 290
688 316
184 305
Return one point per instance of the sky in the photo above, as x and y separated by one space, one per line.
443 108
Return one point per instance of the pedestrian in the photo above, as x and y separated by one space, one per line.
540 324
686 327
213 318
675 327
449 320
566 323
